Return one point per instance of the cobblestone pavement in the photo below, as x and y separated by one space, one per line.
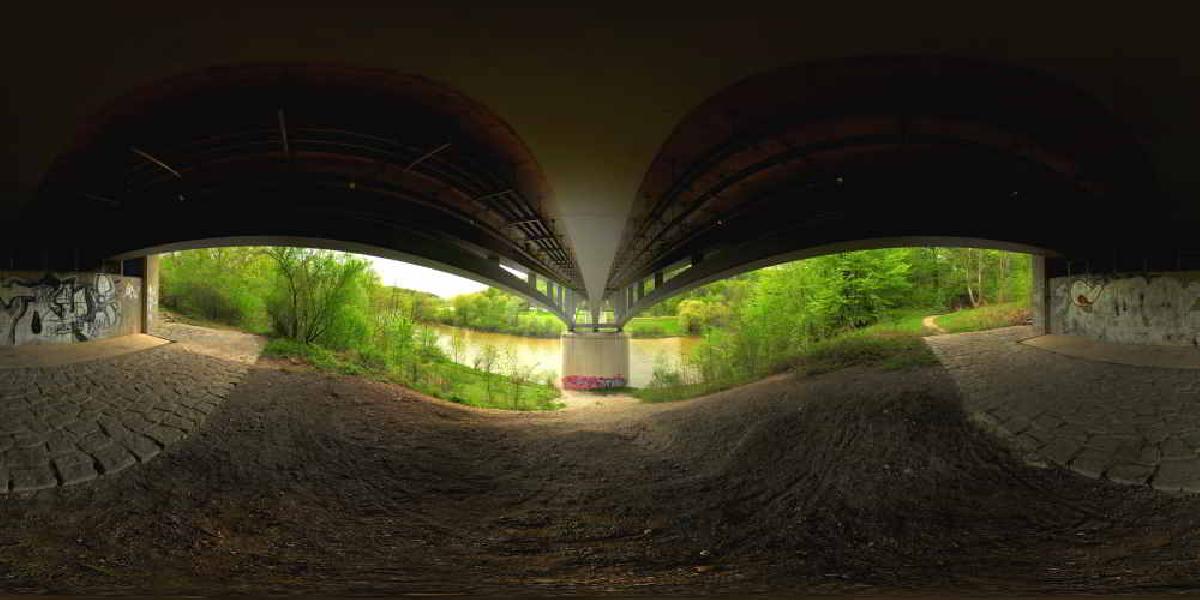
1135 425
69 424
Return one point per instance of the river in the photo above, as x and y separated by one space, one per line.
546 354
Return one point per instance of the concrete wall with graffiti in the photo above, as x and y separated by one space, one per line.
592 361
48 308
1158 309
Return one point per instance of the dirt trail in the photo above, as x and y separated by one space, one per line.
930 323
861 479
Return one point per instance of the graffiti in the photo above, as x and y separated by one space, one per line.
1129 309
592 382
52 309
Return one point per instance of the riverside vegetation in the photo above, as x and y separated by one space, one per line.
330 309
815 315
825 313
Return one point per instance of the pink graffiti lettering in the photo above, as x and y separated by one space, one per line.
592 382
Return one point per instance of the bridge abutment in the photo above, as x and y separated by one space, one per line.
595 360
1159 308
53 307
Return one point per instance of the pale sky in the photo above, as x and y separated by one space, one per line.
416 277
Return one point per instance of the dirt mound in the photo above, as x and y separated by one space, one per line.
879 478
308 482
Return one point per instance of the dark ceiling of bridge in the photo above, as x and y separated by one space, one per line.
876 147
356 155
692 128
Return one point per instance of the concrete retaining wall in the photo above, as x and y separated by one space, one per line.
595 360
1159 308
49 308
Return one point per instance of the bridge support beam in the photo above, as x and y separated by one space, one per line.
595 360
150 290
1039 296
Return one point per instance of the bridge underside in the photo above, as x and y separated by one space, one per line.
354 158
817 157
877 152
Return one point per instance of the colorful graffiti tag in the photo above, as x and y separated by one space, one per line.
592 382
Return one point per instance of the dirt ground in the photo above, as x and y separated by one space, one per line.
859 480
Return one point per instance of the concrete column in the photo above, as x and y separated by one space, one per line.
1039 295
641 289
150 294
595 360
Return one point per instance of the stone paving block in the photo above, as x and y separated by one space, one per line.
135 422
28 479
1178 475
141 447
75 468
1192 439
1108 443
3 480
6 443
1174 448
58 445
1091 463
1061 450
1072 431
117 431
82 428
1130 474
179 422
1149 455
1043 436
94 442
27 457
28 439
1155 434
1046 422
155 415
1027 443
1017 424
58 420
164 435
14 422
114 459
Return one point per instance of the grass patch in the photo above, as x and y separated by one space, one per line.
985 317
909 321
655 327
684 392
441 379
885 346
866 349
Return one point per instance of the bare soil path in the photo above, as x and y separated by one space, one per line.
930 323
858 480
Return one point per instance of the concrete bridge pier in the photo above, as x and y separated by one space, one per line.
595 360
1139 302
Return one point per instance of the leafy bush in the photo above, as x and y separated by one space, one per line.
221 285
655 327
320 296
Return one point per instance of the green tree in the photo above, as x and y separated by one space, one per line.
320 296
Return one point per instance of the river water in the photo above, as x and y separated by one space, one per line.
545 355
